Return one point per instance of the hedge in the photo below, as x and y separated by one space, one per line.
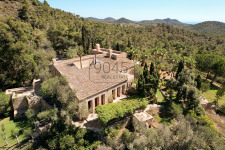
118 110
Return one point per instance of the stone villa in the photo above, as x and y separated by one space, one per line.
99 78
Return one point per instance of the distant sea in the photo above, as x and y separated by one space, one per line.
195 22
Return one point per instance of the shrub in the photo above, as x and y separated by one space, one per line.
48 115
4 102
128 137
30 113
200 111
205 87
66 142
111 132
203 120
118 110
176 109
28 132
221 110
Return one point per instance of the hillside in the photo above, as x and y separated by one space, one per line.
166 21
211 27
123 20
108 19
31 33
9 9
142 23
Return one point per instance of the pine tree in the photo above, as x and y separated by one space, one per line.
46 3
180 68
23 12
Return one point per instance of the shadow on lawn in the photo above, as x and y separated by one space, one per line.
212 86
23 123
164 112
6 147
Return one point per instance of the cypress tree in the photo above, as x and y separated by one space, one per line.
199 81
148 84
117 47
152 68
180 68
129 43
85 40
83 37
146 73
156 83
141 85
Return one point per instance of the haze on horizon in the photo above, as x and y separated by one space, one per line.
188 11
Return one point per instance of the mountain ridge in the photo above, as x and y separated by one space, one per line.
142 22
208 27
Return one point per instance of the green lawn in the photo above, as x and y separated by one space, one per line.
211 94
163 120
17 126
159 96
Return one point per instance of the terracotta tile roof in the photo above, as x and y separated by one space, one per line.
88 80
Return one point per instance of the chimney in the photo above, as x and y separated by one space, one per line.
97 47
110 53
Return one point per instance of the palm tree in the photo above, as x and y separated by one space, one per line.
80 53
163 52
155 52
174 59
189 62
136 53
144 55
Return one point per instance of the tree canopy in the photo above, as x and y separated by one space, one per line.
32 34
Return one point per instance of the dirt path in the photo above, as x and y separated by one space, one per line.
219 121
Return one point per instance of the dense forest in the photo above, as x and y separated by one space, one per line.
211 27
32 33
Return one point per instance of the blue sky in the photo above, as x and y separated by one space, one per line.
183 10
